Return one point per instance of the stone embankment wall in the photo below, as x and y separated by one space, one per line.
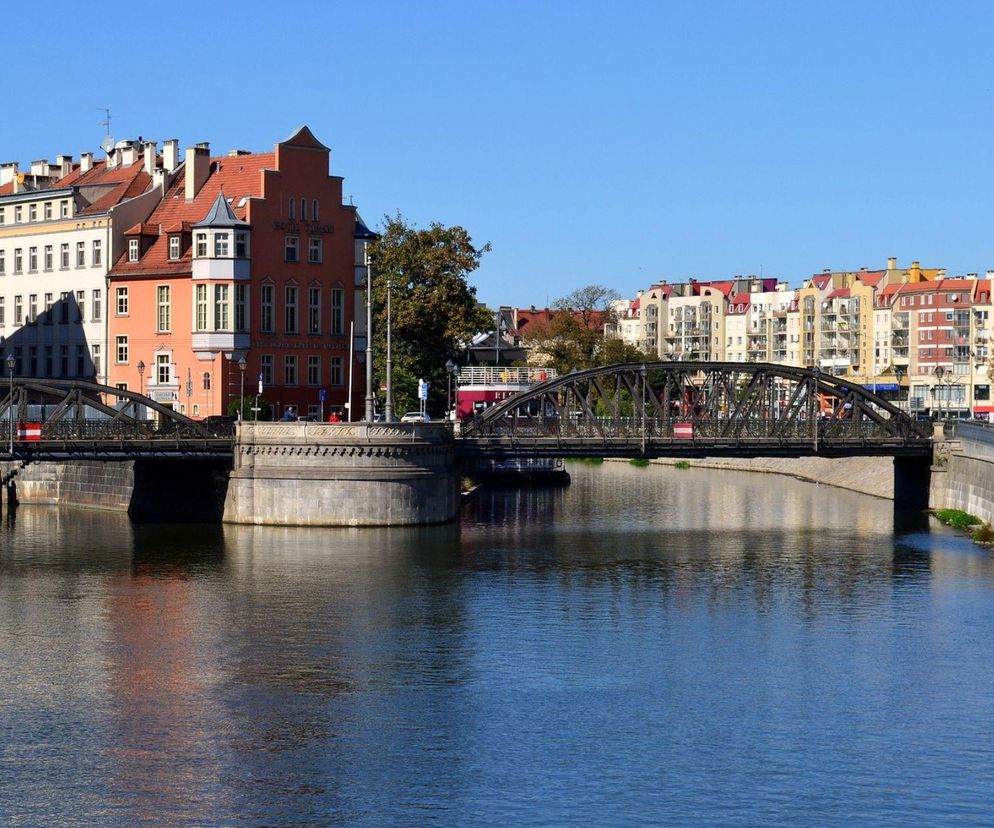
867 475
75 483
963 473
347 474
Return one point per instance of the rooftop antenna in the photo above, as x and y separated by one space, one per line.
108 142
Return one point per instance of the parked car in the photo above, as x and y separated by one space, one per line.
415 417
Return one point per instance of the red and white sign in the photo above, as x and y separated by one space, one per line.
29 431
683 431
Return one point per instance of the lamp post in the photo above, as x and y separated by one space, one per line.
141 377
388 406
242 365
369 339
11 362
939 372
899 372
642 372
450 368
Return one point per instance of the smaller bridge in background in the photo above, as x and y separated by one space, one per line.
695 409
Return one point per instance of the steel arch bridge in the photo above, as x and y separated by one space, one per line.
54 418
695 409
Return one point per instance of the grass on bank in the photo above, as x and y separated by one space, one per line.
984 534
640 462
681 464
957 518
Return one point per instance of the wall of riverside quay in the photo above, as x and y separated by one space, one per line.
963 472
343 474
162 488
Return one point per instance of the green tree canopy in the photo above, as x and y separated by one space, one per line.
434 308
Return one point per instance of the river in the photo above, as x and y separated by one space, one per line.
647 647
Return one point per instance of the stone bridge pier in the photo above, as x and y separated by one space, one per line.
342 474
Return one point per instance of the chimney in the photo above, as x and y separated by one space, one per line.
198 159
7 172
39 167
64 163
892 263
150 156
129 154
170 154
85 162
236 152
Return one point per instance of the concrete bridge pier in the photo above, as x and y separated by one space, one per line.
343 474
912 480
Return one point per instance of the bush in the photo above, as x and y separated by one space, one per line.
957 518
984 533
681 464
641 462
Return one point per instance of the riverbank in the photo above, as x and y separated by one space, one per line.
866 475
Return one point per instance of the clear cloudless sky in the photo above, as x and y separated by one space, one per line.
616 143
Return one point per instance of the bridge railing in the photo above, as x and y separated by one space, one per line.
114 430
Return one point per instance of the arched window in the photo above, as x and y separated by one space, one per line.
303 209
314 210
291 214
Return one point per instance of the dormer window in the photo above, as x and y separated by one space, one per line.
174 250
241 246
133 250
201 245
221 245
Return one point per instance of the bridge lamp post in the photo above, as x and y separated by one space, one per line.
242 365
11 362
899 372
450 368
939 372
817 403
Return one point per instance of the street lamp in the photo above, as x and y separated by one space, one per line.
242 365
939 372
450 368
141 378
11 362
642 372
899 372
817 402
388 405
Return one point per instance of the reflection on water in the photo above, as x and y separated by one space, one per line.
648 646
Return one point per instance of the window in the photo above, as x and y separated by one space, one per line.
64 360
201 244
48 308
64 209
3 312
49 257
163 314
290 370
266 309
313 370
337 312
80 303
266 368
201 303
290 316
97 305
18 260
220 245
80 360
32 308
64 301
315 250
336 370
33 212
80 254
314 310
290 211
122 349
132 250
314 210
48 210
162 369
290 248
32 260
96 360
221 308
3 216
33 361
241 245
122 301
174 247
64 256
3 262
241 307
18 215
303 209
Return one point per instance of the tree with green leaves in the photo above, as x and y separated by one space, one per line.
434 308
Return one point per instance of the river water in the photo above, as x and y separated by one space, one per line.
650 646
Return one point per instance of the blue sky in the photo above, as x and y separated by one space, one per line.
617 143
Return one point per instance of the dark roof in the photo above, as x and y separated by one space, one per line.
362 231
221 215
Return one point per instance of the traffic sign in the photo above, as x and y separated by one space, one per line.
322 395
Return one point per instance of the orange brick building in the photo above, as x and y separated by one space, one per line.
248 256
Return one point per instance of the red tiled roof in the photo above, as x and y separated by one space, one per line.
724 286
840 293
871 278
821 280
743 299
7 189
239 176
939 285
